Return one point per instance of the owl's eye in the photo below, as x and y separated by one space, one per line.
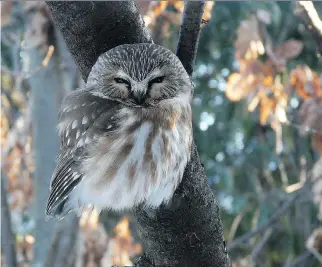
120 80
156 80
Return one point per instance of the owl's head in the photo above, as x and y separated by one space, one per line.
140 75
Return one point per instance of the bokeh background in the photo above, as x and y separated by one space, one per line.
257 117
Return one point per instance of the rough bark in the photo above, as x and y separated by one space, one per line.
188 231
189 34
91 28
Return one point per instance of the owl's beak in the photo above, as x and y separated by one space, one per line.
139 93
139 97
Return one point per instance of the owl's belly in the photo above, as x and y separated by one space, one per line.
145 166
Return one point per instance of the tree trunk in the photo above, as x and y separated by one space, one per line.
188 231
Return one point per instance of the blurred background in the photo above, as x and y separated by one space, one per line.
257 116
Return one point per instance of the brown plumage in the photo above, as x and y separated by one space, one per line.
126 137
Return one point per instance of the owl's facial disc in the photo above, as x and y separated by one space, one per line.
141 91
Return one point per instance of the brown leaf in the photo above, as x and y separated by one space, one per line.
248 44
238 86
290 49
178 5
159 7
253 103
208 10
305 82
266 108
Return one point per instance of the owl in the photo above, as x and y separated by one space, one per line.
126 137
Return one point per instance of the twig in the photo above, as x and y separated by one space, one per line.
279 213
306 10
8 242
306 254
189 33
235 224
261 244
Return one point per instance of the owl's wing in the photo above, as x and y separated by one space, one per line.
83 118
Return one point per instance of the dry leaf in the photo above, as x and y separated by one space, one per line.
305 82
208 10
288 50
248 44
253 103
159 7
266 108
178 5
238 86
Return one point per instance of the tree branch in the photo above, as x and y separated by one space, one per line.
189 34
91 28
8 242
309 15
187 231
273 219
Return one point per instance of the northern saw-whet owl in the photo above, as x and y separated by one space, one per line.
126 137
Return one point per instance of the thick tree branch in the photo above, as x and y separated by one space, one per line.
189 34
8 242
187 231
91 28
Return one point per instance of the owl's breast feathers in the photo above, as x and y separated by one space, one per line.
116 157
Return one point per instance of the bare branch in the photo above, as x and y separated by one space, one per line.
189 33
279 213
8 242
261 244
300 259
91 28
271 222
236 223
308 13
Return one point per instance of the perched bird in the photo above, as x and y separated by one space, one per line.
126 137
